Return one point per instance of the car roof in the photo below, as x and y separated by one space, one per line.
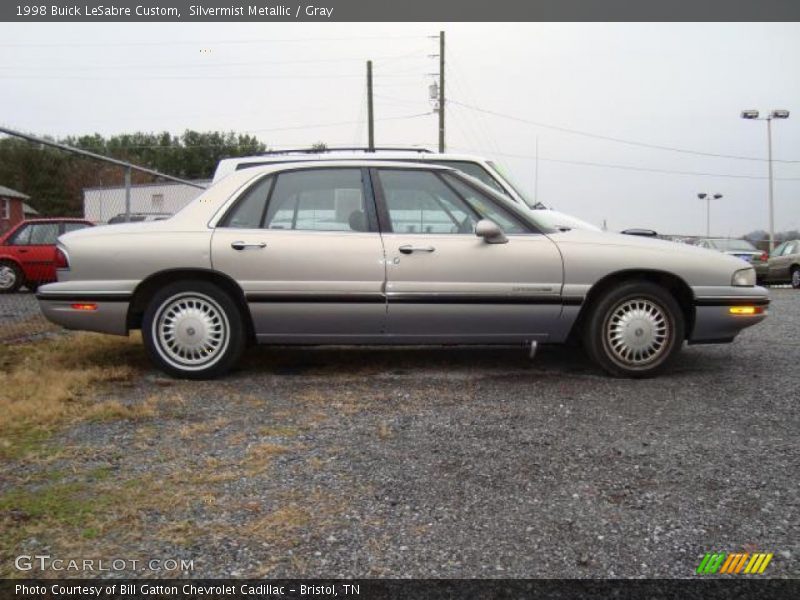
413 156
228 166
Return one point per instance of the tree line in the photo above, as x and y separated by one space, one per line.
760 235
55 179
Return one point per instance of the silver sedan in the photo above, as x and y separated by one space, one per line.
384 253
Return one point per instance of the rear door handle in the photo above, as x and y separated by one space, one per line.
408 249
244 245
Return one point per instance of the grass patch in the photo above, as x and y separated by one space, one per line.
46 384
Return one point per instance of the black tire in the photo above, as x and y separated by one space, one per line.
10 277
634 330
795 277
193 330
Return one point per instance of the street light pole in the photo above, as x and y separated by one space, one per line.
708 198
771 197
774 114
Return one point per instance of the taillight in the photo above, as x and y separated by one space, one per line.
764 257
62 261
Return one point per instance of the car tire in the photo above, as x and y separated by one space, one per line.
796 278
193 330
634 330
10 277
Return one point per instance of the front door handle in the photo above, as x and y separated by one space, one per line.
243 245
408 249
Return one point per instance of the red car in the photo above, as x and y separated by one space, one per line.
28 252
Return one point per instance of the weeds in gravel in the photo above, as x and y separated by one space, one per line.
48 383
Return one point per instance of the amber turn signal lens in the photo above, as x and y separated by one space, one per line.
746 310
83 306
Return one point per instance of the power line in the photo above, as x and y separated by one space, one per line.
635 168
270 129
199 66
204 43
613 139
396 118
125 77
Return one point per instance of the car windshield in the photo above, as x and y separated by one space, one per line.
733 245
552 219
510 183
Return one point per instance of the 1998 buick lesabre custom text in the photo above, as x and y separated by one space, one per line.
370 252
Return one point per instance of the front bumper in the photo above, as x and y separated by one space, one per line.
104 313
719 316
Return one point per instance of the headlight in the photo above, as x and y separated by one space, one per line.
744 277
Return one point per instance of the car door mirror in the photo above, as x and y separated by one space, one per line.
490 232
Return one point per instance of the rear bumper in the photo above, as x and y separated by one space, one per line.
104 313
719 317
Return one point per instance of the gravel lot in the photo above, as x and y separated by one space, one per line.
17 306
455 463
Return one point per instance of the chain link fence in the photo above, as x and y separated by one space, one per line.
46 190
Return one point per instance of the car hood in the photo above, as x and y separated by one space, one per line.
648 249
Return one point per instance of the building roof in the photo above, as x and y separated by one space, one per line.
27 209
9 193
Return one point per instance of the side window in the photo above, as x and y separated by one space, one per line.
778 251
485 207
74 227
44 234
248 211
22 237
318 200
791 248
420 202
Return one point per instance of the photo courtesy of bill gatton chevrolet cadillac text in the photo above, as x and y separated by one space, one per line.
371 252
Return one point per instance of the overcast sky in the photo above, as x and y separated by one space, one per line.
675 85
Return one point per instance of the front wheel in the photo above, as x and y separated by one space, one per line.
193 329
796 278
634 330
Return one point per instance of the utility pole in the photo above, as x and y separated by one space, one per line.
441 91
370 114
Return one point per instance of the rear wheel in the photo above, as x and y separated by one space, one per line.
10 277
634 330
193 329
796 278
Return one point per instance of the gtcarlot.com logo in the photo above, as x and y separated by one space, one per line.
734 563
45 562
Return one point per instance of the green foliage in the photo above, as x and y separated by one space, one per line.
55 179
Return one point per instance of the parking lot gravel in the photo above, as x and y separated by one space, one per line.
457 462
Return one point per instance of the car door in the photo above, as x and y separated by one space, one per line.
780 261
443 282
34 245
304 247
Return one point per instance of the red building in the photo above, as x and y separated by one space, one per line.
13 208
